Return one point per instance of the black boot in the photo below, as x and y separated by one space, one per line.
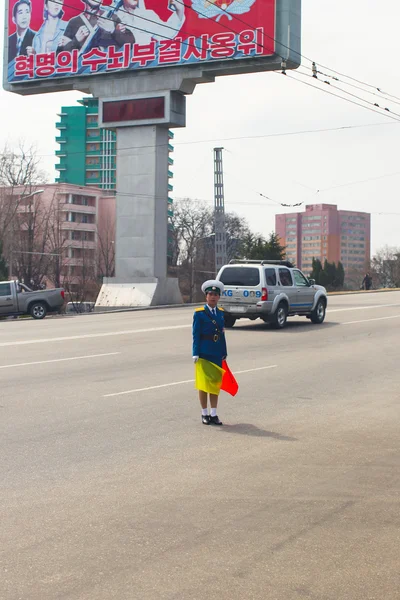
215 421
205 419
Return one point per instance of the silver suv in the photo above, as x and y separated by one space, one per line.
271 290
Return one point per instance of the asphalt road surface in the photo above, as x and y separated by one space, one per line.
111 488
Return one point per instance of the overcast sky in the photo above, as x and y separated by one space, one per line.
358 38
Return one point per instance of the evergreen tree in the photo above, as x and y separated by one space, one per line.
316 270
276 250
340 275
330 276
331 273
256 247
323 276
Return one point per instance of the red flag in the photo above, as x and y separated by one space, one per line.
229 383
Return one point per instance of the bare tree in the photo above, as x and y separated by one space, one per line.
192 222
57 244
79 276
20 174
30 235
385 267
106 248
193 243
21 167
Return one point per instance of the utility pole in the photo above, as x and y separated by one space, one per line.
219 211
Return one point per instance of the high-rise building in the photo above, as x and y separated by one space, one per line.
326 233
87 153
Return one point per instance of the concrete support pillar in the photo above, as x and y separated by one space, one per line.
142 203
141 222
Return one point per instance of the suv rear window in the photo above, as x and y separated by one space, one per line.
246 276
270 276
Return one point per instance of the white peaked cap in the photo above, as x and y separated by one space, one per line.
212 283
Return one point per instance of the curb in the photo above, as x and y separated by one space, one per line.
354 292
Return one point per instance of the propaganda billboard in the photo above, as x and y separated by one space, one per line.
49 39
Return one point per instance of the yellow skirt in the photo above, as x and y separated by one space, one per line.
208 376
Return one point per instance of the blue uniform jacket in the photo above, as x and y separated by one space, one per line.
203 332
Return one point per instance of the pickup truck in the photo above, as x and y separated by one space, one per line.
17 299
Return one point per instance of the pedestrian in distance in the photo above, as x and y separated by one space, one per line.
367 282
209 350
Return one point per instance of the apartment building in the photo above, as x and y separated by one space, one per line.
65 221
326 233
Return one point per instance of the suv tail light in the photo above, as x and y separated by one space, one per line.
62 294
264 294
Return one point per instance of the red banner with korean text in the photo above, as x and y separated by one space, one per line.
63 38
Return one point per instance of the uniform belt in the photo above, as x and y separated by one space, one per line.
210 337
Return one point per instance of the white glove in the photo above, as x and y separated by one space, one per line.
195 359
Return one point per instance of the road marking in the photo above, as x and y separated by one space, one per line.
257 369
173 383
56 360
360 307
145 389
368 320
151 329
94 335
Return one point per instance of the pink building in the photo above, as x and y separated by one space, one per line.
325 232
75 221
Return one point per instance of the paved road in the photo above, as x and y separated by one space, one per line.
112 489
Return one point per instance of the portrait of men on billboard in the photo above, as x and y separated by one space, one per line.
146 25
51 33
95 27
20 42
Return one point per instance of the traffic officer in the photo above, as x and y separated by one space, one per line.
209 342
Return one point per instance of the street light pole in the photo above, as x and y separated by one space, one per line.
10 260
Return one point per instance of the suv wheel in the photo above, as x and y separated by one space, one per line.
318 314
279 318
229 320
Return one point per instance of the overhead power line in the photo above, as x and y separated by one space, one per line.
237 18
314 76
237 138
272 38
326 91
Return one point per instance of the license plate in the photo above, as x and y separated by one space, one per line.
238 309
